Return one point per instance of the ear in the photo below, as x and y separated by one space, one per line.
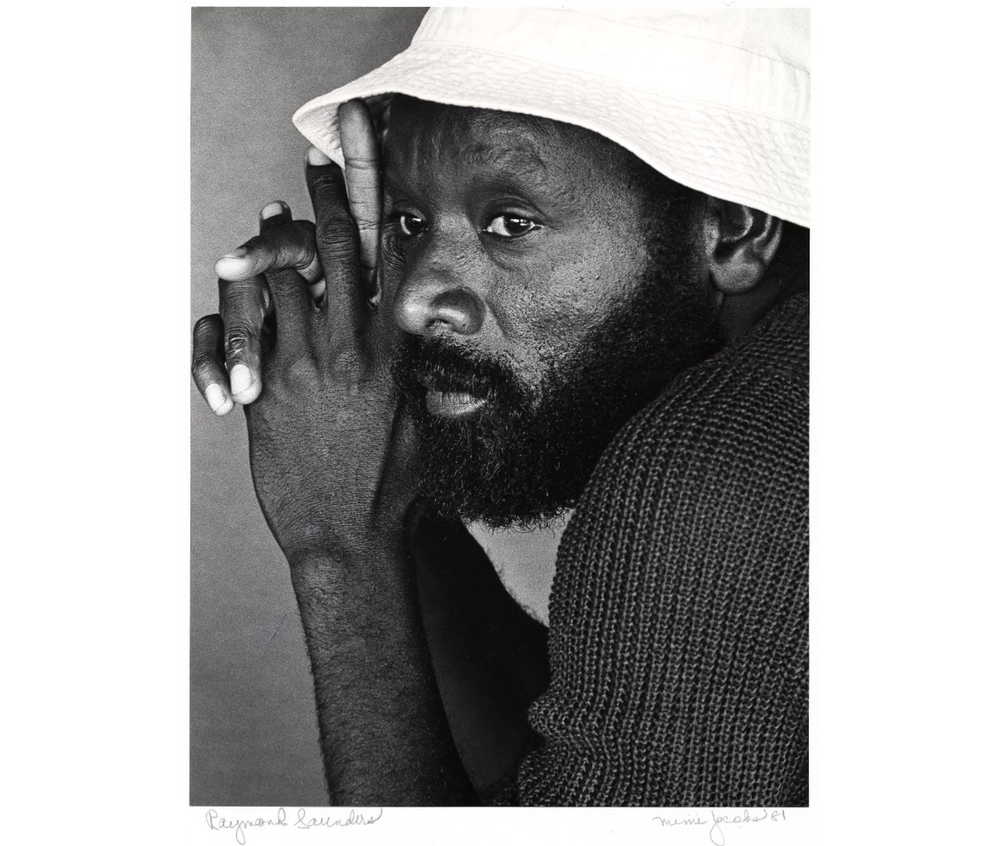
741 244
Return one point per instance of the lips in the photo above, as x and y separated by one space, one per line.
452 403
450 383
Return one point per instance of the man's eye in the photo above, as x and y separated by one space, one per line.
510 226
410 225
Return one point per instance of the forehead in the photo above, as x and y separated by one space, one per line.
425 140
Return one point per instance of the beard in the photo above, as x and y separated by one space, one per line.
527 454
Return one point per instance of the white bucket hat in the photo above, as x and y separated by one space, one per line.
716 100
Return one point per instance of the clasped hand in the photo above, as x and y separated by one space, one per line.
301 343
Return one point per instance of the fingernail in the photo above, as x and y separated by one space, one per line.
273 210
238 253
240 379
217 399
317 158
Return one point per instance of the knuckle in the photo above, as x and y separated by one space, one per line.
244 305
299 375
241 324
283 276
346 359
331 179
361 162
303 245
202 369
301 369
337 238
238 340
206 326
272 241
251 244
258 249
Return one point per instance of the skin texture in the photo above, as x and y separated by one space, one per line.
517 261
335 461
465 175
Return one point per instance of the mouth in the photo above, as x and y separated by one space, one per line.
452 403
451 385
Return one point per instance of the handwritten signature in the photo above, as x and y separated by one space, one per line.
716 833
280 819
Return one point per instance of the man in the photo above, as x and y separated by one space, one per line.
506 314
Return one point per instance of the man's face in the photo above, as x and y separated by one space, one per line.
536 316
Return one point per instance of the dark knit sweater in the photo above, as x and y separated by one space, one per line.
678 617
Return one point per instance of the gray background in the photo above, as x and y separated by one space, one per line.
253 729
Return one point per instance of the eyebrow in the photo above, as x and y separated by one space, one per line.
517 169
517 161
509 167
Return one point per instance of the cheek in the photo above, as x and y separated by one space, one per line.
565 318
584 288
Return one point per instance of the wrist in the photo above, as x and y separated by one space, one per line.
370 554
319 545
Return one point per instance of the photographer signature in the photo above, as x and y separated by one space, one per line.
717 833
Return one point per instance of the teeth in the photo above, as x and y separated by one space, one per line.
457 397
452 403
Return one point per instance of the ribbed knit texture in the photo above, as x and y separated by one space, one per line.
679 613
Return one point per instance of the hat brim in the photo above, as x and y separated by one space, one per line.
682 139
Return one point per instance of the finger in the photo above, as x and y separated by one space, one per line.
243 305
363 175
302 255
206 364
275 214
291 246
337 242
292 308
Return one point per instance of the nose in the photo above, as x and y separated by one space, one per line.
423 310
433 298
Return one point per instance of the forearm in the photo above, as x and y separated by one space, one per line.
384 734
334 466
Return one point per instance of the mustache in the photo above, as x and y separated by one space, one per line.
420 363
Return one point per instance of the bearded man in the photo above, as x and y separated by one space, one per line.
564 266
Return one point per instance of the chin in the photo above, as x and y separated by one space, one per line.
515 460
468 474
